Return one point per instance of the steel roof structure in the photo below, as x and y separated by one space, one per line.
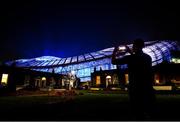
84 65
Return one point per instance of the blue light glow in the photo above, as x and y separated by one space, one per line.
84 65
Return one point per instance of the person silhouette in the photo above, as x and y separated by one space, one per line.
140 88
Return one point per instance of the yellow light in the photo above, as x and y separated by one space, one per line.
173 60
71 83
95 89
127 78
163 88
108 77
156 78
178 60
43 78
98 80
4 78
157 81
114 88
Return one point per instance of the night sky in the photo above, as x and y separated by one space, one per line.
35 28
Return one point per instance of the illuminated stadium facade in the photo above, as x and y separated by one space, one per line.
84 65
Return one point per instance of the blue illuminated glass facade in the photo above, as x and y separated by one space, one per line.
84 65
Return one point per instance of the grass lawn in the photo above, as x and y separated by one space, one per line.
89 106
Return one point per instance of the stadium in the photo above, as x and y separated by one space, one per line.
84 65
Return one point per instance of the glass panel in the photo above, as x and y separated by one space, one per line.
108 49
107 53
105 67
96 55
159 61
41 63
88 57
50 70
47 58
74 59
56 62
84 79
80 58
68 60
124 66
167 44
45 63
154 63
113 66
62 61
83 72
146 50
92 69
35 64
52 61
87 72
36 69
58 69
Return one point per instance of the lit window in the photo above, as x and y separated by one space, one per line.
156 77
98 80
127 78
4 78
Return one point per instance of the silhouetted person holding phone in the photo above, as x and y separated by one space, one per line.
141 92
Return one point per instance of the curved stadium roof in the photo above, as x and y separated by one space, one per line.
84 65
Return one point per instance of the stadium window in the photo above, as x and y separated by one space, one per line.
4 79
126 78
98 80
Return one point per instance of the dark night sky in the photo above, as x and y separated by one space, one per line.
36 28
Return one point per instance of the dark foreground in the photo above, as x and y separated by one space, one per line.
90 106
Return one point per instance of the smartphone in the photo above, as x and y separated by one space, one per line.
122 48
